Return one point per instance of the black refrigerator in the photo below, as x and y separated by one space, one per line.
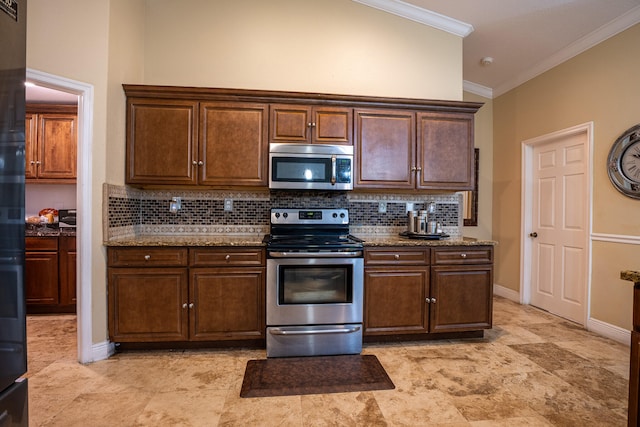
13 339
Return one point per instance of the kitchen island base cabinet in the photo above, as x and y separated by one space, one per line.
181 296
427 293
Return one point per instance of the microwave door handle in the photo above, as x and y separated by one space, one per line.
333 170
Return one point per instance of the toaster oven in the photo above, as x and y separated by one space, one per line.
67 218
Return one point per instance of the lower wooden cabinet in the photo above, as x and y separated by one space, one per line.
427 290
50 274
181 294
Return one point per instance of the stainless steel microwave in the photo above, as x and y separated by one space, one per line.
310 166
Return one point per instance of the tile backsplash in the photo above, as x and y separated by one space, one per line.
129 212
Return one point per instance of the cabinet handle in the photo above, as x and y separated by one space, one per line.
200 163
147 257
433 300
228 257
184 305
38 162
195 163
463 255
418 169
396 256
33 162
427 300
413 169
191 305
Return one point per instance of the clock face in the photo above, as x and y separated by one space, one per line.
624 163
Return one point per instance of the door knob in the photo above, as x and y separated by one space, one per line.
534 234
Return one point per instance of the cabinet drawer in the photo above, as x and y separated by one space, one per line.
458 255
206 257
41 243
147 257
396 256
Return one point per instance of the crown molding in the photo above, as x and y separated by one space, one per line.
477 89
592 39
423 16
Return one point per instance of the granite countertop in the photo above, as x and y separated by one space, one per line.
256 240
47 231
633 276
396 240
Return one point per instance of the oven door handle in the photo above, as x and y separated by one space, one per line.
280 331
333 170
349 254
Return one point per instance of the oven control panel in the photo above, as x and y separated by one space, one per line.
310 216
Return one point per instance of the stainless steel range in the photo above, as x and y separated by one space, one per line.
315 271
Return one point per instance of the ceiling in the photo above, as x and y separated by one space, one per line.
524 38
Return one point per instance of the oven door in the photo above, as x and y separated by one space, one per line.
314 291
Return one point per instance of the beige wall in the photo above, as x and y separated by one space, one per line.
333 46
483 135
600 85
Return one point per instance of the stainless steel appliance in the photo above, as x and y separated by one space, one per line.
13 352
67 218
315 284
310 166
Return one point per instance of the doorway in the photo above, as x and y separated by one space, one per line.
556 222
83 203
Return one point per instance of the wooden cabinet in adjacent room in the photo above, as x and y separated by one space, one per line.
177 294
51 143
41 272
67 252
311 124
418 290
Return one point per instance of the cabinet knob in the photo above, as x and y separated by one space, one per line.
184 305
413 169
463 255
147 257
396 256
190 305
32 162
38 162
195 163
200 163
428 300
228 257
433 300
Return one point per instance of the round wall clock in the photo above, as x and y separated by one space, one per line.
624 163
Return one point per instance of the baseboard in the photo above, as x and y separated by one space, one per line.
609 331
103 350
507 293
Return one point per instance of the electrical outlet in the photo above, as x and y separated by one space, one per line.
409 206
382 207
228 205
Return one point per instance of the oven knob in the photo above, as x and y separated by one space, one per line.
342 215
277 214
284 215
335 215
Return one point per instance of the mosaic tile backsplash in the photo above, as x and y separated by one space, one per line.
130 212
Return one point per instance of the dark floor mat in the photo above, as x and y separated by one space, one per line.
314 375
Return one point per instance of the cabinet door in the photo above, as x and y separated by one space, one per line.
148 304
395 300
385 149
332 125
31 145
41 278
445 151
57 141
162 138
228 303
68 270
290 123
463 298
233 144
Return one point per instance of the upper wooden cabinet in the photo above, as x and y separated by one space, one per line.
311 125
414 150
385 149
219 137
51 143
196 143
445 151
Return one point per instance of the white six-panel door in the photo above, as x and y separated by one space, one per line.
558 229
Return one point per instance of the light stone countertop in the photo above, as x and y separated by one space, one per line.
633 276
256 240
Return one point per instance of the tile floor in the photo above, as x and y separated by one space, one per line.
531 369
